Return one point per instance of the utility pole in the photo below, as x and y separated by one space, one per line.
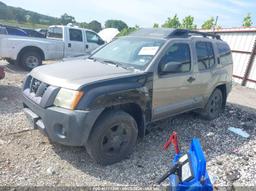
216 22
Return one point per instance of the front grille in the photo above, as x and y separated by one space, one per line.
37 87
39 92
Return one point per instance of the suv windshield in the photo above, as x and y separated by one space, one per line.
130 51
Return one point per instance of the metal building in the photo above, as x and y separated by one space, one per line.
242 42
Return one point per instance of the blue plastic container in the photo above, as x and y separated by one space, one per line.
200 180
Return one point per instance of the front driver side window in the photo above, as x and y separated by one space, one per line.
177 59
92 37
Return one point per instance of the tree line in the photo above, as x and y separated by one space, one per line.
188 23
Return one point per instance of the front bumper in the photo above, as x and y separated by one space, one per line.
68 127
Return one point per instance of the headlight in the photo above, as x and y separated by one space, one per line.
68 98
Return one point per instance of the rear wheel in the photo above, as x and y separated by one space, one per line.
113 137
214 105
30 60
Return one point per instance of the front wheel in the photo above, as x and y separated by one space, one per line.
214 105
113 137
30 60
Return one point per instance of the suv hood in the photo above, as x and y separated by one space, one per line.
75 73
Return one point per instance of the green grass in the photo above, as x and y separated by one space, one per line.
25 25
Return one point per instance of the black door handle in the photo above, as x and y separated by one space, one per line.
87 46
69 45
191 79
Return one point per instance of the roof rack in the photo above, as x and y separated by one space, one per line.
186 32
171 33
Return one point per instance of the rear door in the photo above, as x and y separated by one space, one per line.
74 45
205 68
93 41
173 91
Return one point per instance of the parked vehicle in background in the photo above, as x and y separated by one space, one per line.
108 34
2 73
15 31
61 42
3 30
106 101
10 30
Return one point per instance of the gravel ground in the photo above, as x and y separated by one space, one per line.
27 158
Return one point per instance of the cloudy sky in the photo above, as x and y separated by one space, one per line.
144 12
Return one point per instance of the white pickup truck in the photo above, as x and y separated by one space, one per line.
61 42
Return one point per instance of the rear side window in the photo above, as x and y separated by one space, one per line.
205 55
55 32
75 35
225 54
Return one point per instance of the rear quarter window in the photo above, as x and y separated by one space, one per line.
55 32
205 55
225 55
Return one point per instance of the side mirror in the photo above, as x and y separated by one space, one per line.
101 42
170 67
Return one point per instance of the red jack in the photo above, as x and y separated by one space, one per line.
172 140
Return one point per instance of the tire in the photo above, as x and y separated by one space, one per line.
113 137
214 105
30 60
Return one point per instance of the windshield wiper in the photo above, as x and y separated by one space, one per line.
103 61
111 62
118 64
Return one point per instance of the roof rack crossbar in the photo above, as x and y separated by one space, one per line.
186 32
